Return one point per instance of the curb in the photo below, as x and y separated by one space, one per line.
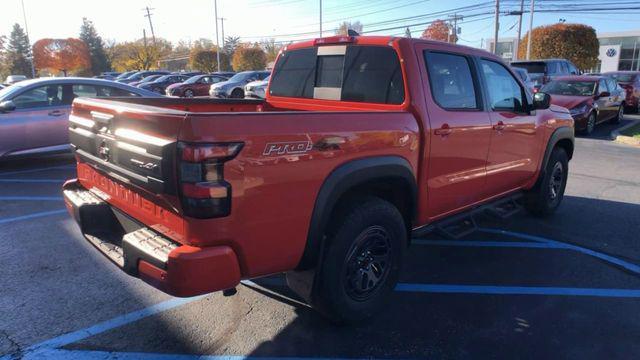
616 132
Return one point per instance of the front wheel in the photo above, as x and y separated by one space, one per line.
188 93
237 94
591 124
548 193
362 261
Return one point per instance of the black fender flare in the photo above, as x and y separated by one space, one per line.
561 133
339 182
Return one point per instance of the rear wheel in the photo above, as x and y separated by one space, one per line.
188 93
619 116
237 94
361 262
547 195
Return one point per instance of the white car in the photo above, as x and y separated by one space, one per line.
12 79
257 89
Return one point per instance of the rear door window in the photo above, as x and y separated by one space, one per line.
357 73
451 81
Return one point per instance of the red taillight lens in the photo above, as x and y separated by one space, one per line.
204 192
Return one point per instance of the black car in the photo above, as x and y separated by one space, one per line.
544 70
160 84
141 75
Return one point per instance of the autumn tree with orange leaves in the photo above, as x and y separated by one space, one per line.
65 55
439 30
576 42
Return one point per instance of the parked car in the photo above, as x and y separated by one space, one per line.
34 114
2 86
352 152
234 87
590 99
227 74
141 75
630 82
257 89
12 79
526 79
147 79
108 75
194 86
160 84
188 73
544 70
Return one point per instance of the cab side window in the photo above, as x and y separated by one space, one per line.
505 94
451 81
602 86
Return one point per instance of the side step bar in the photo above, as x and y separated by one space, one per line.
463 224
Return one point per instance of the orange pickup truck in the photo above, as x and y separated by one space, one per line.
360 142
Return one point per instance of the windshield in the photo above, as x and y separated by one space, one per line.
570 88
623 78
240 77
150 78
193 79
6 92
532 67
161 78
125 75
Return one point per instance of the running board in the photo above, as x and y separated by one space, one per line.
460 225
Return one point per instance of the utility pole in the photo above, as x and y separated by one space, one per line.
146 51
320 18
497 27
215 16
26 30
153 34
222 25
454 18
515 56
530 29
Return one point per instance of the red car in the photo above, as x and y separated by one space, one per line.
630 82
194 86
590 99
360 143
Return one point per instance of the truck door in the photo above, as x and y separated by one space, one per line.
460 131
515 140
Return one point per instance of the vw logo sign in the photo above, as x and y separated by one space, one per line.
611 52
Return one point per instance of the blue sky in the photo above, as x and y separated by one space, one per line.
254 19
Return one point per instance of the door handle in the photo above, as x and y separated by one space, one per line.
56 113
443 131
499 126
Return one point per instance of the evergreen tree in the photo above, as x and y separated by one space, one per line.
18 52
99 60
407 33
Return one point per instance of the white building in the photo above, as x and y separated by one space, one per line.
618 50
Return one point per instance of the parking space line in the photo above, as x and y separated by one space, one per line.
26 171
477 243
602 256
32 216
30 198
107 325
517 290
29 181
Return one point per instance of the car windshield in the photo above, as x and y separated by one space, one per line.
240 76
161 78
623 78
570 88
193 79
532 67
150 78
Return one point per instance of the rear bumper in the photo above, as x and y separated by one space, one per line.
179 270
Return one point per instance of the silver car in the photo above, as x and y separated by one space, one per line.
234 87
34 113
257 89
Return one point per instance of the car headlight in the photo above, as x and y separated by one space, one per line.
580 109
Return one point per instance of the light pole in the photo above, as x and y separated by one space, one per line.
530 29
215 11
320 18
26 30
519 29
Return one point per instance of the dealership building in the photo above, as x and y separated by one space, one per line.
618 50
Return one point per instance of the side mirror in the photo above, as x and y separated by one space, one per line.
7 106
604 94
541 101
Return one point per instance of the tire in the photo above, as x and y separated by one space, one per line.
188 93
237 94
362 261
591 124
546 196
620 116
157 90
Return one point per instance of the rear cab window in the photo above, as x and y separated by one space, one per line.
534 67
357 73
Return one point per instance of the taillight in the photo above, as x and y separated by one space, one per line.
204 192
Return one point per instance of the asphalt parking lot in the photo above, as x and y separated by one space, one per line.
564 287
